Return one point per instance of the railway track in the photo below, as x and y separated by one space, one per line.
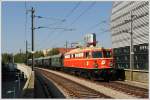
73 89
125 88
47 90
130 90
44 87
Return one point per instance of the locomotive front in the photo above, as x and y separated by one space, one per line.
102 59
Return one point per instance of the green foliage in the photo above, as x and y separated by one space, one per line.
38 54
54 51
6 58
20 58
29 55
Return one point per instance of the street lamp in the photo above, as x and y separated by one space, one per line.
131 44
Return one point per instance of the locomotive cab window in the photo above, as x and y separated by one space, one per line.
97 54
107 54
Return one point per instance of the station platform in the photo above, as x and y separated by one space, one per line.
135 83
28 90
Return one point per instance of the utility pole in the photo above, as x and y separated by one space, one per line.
20 51
66 46
131 49
26 51
131 45
13 58
73 43
32 29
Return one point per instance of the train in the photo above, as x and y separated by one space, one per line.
91 62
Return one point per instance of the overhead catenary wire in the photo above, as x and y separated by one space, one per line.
67 15
51 18
62 20
80 15
96 25
71 12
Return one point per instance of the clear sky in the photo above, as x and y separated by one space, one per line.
83 17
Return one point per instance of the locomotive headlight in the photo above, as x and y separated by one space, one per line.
103 62
95 64
111 64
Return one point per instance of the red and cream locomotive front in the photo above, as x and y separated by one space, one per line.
102 59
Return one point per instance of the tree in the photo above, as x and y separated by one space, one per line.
6 58
20 58
29 55
38 54
54 51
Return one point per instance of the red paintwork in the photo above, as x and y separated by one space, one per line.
87 63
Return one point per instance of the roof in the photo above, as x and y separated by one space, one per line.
64 50
58 55
61 50
86 49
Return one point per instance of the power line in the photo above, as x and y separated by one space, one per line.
71 12
89 7
81 14
68 15
96 25
51 18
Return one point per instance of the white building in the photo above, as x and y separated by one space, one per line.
121 28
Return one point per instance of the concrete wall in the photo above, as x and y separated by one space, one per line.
138 75
23 68
28 89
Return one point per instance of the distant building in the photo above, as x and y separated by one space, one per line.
45 52
90 39
121 11
61 50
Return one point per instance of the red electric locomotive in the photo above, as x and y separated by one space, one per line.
92 62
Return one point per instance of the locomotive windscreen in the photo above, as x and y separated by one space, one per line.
107 54
97 54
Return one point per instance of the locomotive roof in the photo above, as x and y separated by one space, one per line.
86 49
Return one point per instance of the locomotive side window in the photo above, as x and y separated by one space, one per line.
107 54
97 54
73 56
79 55
87 54
67 56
